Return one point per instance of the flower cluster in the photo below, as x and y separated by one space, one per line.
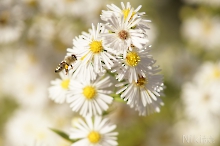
117 47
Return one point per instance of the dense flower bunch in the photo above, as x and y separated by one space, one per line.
118 47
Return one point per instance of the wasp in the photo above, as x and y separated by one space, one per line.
67 61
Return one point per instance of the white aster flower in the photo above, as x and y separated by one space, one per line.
94 133
27 126
205 97
124 12
91 50
194 133
143 95
89 97
11 24
200 31
136 62
209 72
59 88
123 33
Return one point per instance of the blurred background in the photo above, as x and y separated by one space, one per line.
185 38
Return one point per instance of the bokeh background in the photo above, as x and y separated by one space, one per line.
185 38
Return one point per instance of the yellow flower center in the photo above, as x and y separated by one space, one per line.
216 73
132 59
65 84
126 12
96 46
89 92
94 137
123 34
141 81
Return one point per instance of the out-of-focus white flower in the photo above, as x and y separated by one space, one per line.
21 71
94 133
88 97
188 132
214 3
27 126
209 72
91 50
202 102
40 27
136 62
143 95
203 32
59 88
73 8
11 24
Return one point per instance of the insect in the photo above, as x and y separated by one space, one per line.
68 60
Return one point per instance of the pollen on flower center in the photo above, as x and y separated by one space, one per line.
65 84
132 59
141 81
94 137
89 92
96 46
126 12
123 34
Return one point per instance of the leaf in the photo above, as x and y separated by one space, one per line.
62 134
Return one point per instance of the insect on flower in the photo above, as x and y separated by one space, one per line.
68 61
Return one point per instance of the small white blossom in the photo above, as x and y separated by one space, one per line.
123 35
59 88
94 133
92 52
88 97
143 95
136 62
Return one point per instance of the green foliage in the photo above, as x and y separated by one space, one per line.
7 107
62 134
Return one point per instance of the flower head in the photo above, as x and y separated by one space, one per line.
143 94
124 12
90 97
92 52
94 133
122 34
136 62
59 88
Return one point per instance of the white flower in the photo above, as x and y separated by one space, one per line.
94 133
89 97
123 35
205 97
91 50
194 133
143 95
136 62
124 12
23 72
209 72
73 8
27 126
11 24
204 33
59 88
